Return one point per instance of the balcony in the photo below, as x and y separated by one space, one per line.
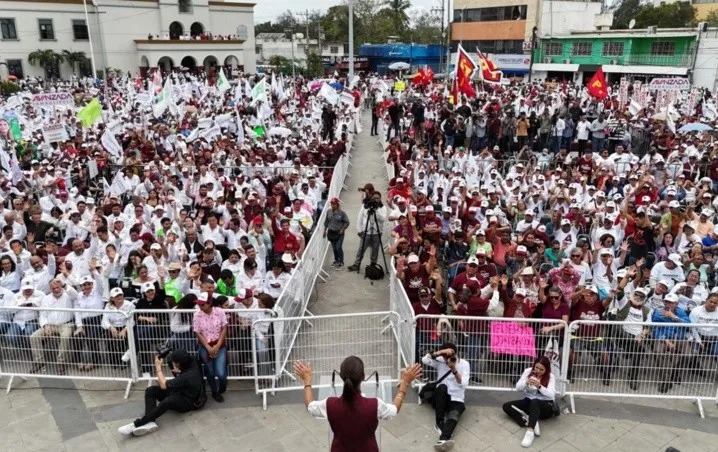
683 60
636 59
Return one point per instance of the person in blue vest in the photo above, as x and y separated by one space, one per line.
353 417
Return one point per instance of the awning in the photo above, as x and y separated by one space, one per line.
637 70
555 67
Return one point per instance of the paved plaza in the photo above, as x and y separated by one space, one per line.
55 415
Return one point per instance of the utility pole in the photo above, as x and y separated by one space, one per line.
441 32
448 35
351 39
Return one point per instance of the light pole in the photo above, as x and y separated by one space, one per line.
89 38
291 35
351 39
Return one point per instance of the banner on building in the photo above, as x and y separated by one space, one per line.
670 84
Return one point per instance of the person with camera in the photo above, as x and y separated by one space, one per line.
538 385
183 393
370 229
448 398
353 417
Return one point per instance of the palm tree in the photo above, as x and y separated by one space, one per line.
48 59
77 60
398 9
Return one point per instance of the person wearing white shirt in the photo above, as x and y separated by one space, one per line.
24 322
155 260
275 280
538 386
214 232
7 301
116 321
54 323
706 336
80 258
450 392
670 269
89 332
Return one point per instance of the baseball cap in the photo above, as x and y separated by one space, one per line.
675 258
521 249
146 287
155 246
202 298
671 298
27 285
115 292
565 222
674 204
520 292
472 261
413 258
605 251
87 279
593 289
481 252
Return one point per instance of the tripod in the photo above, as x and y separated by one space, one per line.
371 217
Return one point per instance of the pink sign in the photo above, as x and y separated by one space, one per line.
512 338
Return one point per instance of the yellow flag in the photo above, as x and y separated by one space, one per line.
90 113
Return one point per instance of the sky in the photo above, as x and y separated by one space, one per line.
270 9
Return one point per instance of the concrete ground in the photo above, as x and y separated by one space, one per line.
53 415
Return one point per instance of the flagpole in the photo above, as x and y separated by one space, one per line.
351 39
89 38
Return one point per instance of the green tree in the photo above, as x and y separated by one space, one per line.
78 61
281 64
314 65
49 60
267 27
335 24
399 14
426 27
673 15
712 18
624 11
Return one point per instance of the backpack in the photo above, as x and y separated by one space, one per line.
374 272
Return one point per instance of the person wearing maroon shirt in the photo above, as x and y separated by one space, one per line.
431 225
554 308
284 240
485 268
425 339
585 305
475 306
414 276
586 165
459 284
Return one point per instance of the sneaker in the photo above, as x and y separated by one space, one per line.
528 439
218 398
444 445
127 429
339 265
353 268
537 430
126 357
37 367
142 430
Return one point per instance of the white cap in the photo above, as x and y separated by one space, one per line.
147 287
472 261
87 279
520 292
115 292
674 204
675 258
413 258
27 285
155 246
605 251
671 298
565 221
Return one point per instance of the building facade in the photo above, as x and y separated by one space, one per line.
129 34
505 29
380 56
296 47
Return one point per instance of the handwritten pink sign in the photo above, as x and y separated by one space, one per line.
511 338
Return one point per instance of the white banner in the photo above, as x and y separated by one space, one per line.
53 99
670 84
54 133
110 143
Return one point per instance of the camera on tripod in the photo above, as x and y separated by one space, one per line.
372 204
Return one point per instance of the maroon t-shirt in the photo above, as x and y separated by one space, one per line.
413 281
555 313
582 310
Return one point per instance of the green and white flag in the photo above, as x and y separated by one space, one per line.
259 91
222 82
163 99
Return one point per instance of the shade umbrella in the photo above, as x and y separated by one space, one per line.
399 66
695 127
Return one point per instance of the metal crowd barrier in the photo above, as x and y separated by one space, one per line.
399 303
324 344
47 343
498 348
607 359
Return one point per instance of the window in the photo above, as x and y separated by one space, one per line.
185 6
334 49
7 26
612 49
242 32
46 29
14 67
553 48
500 46
663 48
517 12
581 48
79 30
258 50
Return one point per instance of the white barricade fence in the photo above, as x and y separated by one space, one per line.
399 303
498 349
171 329
649 360
66 344
324 343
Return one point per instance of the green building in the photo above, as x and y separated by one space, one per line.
639 54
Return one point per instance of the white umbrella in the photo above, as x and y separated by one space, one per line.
399 66
280 131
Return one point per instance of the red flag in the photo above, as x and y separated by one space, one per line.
429 75
419 78
489 71
597 85
465 68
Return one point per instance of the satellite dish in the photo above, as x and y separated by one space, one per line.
631 24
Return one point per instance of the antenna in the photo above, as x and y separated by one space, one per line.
631 24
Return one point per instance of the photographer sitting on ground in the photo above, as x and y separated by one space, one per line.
185 392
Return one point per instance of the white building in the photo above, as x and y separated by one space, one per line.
119 33
278 44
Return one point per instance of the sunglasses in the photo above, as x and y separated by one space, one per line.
554 297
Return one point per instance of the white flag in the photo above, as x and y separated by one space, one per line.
163 99
328 93
110 143
240 131
222 82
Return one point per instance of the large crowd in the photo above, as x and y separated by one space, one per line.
539 201
184 192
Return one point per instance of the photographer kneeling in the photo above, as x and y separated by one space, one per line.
185 392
